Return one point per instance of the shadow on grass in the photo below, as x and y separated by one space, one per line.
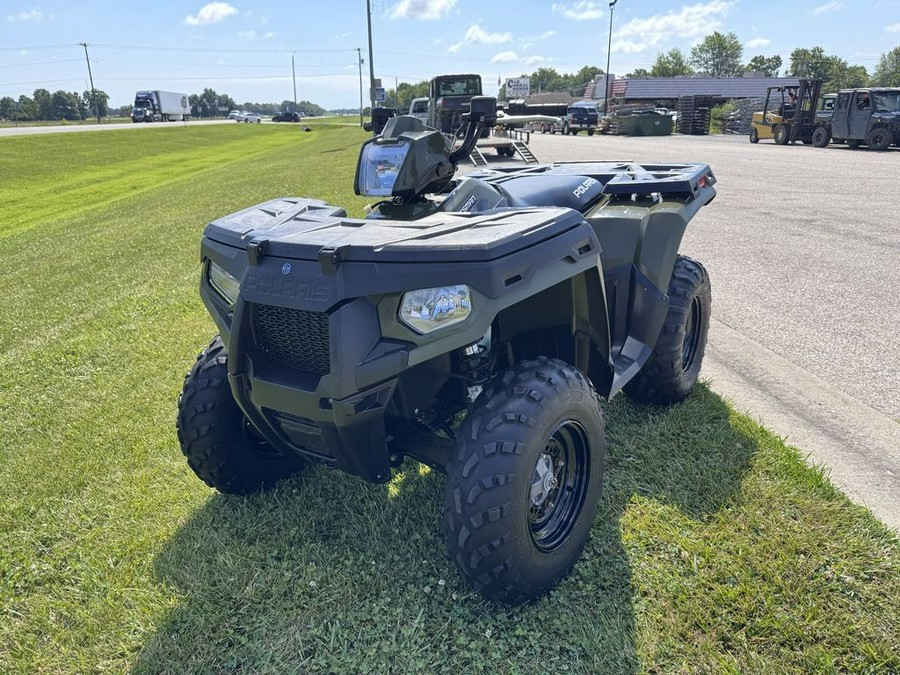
329 574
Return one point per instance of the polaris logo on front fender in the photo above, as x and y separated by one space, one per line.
582 189
282 288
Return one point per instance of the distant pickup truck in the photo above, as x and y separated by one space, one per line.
582 115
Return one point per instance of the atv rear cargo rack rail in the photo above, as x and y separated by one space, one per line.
621 177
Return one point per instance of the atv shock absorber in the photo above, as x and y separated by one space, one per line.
476 365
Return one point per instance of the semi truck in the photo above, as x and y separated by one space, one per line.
160 106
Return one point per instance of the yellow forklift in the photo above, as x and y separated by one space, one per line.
788 114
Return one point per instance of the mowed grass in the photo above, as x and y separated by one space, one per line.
716 549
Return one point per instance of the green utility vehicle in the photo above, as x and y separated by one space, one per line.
471 324
870 116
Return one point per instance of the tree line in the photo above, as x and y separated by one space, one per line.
72 106
722 55
60 105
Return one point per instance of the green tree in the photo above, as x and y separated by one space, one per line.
671 64
841 75
718 55
65 106
226 103
92 106
44 102
7 107
638 72
546 79
835 72
887 72
28 109
808 62
767 65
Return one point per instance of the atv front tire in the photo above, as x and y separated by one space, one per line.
522 488
674 366
220 446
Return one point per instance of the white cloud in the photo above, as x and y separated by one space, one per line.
505 57
584 10
340 36
253 35
478 35
534 60
529 41
691 22
35 15
424 10
214 12
893 28
758 42
833 6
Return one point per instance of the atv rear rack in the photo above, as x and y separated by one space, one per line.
620 177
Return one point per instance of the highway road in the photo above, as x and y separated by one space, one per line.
803 250
75 128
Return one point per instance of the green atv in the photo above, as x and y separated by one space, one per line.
471 324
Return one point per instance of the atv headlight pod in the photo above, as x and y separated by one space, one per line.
428 309
222 282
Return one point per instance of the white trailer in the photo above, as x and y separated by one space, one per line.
160 106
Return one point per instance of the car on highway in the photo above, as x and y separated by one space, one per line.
234 114
249 117
287 117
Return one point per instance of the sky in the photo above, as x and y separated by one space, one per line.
258 50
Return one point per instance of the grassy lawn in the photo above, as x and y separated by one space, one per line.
716 549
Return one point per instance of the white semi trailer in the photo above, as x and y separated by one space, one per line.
160 106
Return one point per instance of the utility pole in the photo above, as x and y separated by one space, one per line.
371 63
91 77
359 59
294 76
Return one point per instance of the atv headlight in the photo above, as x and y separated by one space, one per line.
428 309
222 282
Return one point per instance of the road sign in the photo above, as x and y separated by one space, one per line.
518 86
379 94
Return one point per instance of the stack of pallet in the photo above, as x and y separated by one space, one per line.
693 114
740 121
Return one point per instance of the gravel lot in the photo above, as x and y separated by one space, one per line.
803 248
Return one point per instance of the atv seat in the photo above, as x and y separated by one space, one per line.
573 192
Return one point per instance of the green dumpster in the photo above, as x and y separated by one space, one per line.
651 124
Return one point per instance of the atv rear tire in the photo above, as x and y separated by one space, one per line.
821 137
673 368
522 489
220 446
879 138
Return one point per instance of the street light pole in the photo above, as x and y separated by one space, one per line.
612 4
294 76
371 62
360 62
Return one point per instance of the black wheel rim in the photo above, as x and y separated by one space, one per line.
558 486
691 335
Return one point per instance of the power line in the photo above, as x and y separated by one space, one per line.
39 48
228 50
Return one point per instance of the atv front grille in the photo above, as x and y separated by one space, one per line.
293 338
